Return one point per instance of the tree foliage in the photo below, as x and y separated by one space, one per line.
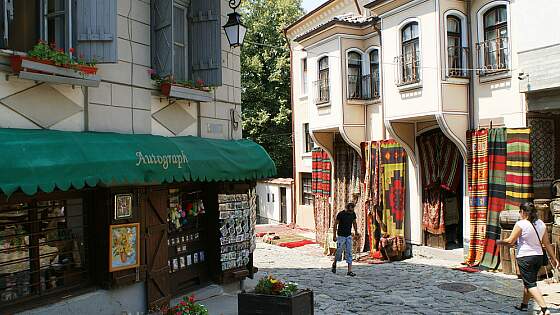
265 77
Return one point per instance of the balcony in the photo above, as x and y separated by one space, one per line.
364 87
322 92
457 62
493 56
407 68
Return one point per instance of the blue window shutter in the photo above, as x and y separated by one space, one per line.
96 29
162 37
205 46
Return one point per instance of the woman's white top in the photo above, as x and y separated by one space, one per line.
528 244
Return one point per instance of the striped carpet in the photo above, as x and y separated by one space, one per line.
519 177
477 146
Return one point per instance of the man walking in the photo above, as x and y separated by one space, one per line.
343 236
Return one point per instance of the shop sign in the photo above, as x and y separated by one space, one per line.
163 160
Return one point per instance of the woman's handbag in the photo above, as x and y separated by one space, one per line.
545 260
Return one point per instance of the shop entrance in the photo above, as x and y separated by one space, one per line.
441 169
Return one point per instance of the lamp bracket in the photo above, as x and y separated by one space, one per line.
233 5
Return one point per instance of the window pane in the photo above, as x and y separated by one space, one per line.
453 25
415 30
502 14
354 59
374 56
406 34
490 18
324 63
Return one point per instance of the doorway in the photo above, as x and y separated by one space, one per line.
283 206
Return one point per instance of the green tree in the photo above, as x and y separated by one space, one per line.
265 77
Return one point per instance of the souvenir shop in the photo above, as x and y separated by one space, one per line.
441 170
90 212
375 182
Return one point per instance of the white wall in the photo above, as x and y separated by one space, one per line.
270 210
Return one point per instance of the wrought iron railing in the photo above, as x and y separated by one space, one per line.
322 91
365 87
408 68
457 58
493 56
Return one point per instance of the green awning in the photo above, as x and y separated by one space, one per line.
33 160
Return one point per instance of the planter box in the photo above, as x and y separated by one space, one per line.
46 71
250 303
186 93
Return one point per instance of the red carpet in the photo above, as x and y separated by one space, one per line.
467 269
296 243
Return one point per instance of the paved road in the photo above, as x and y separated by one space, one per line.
408 287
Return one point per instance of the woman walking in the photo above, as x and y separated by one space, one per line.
530 235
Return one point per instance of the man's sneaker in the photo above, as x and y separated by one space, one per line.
333 269
351 274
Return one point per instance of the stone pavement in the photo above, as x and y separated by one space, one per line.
407 287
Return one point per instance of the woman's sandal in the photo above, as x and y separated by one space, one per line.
544 311
522 307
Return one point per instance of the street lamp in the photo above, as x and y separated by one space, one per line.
235 30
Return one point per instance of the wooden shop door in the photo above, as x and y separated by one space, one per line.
158 288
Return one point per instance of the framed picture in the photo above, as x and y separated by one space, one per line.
123 206
124 248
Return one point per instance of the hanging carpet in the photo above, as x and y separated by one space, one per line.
348 186
321 188
393 161
477 147
497 150
370 167
519 178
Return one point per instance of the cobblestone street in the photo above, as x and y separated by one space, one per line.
407 287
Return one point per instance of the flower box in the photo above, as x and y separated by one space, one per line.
300 303
18 65
183 92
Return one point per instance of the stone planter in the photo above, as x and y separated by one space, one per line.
250 303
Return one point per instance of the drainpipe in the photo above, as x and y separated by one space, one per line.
470 55
384 129
294 192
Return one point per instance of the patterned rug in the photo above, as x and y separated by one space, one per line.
477 146
321 187
519 177
497 145
322 214
393 161
370 167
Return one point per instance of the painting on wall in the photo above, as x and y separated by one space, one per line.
123 206
125 247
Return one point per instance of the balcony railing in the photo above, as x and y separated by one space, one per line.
322 91
457 62
407 68
493 56
364 87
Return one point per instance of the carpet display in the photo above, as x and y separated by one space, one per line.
519 179
440 169
393 160
321 188
477 154
370 167
321 173
497 150
348 186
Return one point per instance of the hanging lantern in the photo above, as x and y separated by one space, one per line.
235 30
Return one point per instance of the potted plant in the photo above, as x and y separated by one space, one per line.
187 306
47 54
272 296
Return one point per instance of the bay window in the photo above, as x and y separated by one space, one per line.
354 75
494 49
322 85
409 61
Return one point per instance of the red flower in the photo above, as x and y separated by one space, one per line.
200 82
71 50
183 303
191 299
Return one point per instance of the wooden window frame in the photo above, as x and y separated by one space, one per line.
496 28
455 58
405 44
355 64
306 189
374 71
309 144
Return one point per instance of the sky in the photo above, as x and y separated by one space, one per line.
309 5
